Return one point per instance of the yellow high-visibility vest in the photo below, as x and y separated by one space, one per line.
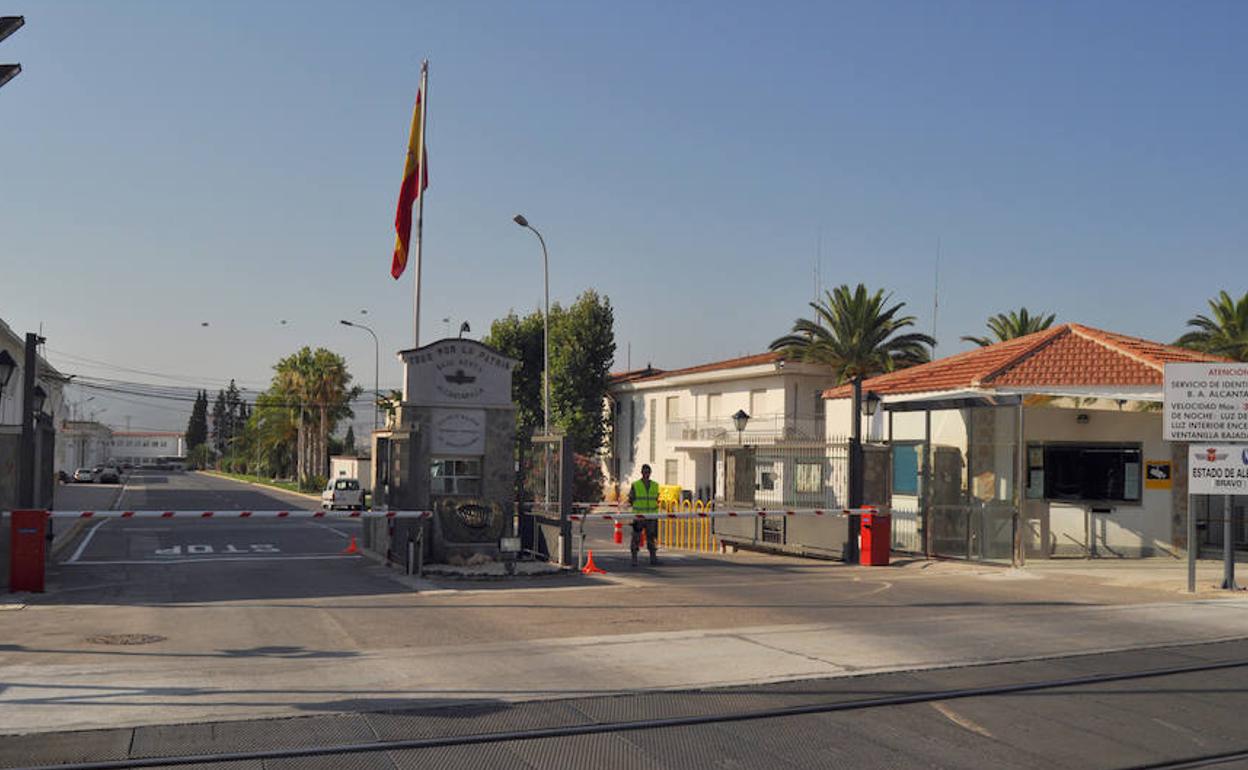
645 500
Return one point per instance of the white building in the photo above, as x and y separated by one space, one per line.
83 444
140 448
1071 415
680 422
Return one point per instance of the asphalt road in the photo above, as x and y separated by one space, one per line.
219 559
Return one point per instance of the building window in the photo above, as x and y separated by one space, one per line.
673 409
765 476
654 417
809 477
632 430
906 468
758 402
1089 472
670 476
714 405
456 476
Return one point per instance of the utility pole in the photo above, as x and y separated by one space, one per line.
26 465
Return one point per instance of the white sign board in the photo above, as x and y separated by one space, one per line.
457 432
1218 470
1206 402
457 373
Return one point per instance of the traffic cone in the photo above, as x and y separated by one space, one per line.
352 548
591 568
618 535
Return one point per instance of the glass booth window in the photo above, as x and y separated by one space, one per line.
809 477
1090 472
456 476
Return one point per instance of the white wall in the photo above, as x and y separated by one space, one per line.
787 396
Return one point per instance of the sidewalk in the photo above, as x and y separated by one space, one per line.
1161 573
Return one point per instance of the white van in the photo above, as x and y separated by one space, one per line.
343 493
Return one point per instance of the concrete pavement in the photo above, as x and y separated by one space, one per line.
232 637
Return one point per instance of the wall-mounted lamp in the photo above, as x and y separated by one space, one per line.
37 398
7 367
740 419
871 403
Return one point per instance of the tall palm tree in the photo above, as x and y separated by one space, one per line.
1226 334
856 334
1019 323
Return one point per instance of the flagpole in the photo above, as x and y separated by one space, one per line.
420 193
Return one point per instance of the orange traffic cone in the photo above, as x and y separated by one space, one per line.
618 536
352 548
591 568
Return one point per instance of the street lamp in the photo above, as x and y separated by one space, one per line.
38 397
376 364
871 403
740 419
520 220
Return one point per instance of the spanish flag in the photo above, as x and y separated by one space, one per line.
417 167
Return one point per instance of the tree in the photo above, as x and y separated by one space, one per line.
1226 333
582 346
316 387
348 443
200 456
855 334
197 426
219 428
1019 323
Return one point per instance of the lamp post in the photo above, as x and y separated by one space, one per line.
520 220
33 397
376 363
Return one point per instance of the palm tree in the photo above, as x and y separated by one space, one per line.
856 334
1019 323
1226 334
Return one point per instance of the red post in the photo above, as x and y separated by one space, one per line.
26 550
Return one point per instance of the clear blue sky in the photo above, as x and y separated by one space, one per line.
167 164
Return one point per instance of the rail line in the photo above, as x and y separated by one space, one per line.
704 719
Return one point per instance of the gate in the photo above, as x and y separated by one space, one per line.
545 498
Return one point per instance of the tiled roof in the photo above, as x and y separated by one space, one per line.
1066 355
731 363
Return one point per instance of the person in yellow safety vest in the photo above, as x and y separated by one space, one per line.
643 496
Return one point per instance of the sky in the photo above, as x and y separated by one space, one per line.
191 191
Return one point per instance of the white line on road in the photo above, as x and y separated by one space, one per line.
85 541
331 529
960 720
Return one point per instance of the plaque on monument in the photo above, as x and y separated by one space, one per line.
457 431
460 373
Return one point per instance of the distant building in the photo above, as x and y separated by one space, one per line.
83 444
140 448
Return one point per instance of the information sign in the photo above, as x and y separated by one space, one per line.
1218 470
1206 402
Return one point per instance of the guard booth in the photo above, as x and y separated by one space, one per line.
449 449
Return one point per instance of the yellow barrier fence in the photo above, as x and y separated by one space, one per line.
687 534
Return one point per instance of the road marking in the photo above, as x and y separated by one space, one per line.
85 541
331 529
221 558
960 720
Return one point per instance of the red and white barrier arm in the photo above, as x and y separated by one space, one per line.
759 513
240 514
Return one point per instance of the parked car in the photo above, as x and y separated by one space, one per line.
84 475
107 474
342 493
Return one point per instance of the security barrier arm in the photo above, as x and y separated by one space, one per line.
759 513
239 514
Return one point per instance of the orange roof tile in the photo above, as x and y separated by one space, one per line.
1065 355
731 363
